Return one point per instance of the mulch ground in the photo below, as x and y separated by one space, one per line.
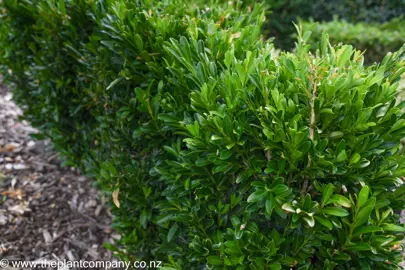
46 211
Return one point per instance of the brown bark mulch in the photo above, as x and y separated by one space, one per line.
46 211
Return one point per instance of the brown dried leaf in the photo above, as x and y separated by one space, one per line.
10 147
14 193
115 197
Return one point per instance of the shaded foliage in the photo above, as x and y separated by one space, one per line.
284 13
375 39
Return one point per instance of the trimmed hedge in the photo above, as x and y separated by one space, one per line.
283 13
219 152
375 39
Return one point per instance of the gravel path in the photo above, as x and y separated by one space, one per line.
46 211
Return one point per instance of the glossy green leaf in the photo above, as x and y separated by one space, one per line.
341 200
359 247
364 215
325 222
366 229
363 196
172 232
257 196
393 228
334 211
336 135
327 192
214 260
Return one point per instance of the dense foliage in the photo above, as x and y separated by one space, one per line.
375 39
219 152
283 13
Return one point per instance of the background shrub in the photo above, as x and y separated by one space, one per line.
375 39
283 13
221 153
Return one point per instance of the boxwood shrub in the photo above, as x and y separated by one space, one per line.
219 152
283 13
375 39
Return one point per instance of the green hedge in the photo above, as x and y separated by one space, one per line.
219 152
375 39
283 13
